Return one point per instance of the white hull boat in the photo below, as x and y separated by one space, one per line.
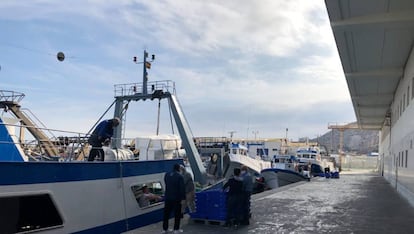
77 196
238 157
285 171
276 177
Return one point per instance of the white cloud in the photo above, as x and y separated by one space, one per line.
270 27
266 27
230 57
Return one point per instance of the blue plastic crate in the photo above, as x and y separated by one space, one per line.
211 205
215 215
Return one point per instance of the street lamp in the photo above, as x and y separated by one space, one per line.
231 135
255 134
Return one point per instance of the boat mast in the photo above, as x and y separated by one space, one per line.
124 93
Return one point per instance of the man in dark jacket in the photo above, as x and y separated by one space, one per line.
234 199
247 192
101 136
174 194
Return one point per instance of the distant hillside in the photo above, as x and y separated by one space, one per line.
355 140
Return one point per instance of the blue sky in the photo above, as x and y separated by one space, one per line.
244 66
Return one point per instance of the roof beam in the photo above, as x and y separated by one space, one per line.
372 119
382 96
400 17
373 106
381 73
369 116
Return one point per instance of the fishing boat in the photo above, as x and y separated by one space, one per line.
238 156
311 156
285 171
38 194
225 154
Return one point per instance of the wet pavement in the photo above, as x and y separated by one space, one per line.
354 203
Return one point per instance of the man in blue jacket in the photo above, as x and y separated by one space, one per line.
174 194
101 136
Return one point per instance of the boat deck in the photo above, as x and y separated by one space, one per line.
354 203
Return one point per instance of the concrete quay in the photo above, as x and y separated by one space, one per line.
354 203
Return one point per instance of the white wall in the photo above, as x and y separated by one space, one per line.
397 146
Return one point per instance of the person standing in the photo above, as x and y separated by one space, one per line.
174 194
234 198
247 193
189 191
101 136
212 169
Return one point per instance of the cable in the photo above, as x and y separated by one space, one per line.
25 48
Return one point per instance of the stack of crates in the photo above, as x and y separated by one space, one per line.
211 205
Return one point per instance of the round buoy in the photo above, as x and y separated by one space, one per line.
61 56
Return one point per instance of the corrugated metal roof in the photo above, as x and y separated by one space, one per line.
374 40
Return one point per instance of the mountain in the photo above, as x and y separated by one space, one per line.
355 140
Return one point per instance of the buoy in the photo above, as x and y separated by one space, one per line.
60 56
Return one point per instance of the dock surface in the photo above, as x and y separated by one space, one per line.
354 203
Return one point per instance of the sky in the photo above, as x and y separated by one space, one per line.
255 68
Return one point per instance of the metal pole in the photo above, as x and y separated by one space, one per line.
145 75
221 163
158 118
286 133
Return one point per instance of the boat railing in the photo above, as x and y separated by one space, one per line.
211 142
11 96
34 119
137 88
68 144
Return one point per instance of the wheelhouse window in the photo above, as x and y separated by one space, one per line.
148 194
406 158
412 89
404 102
28 213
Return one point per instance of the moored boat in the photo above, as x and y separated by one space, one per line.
285 171
75 196
38 194
311 157
238 156
225 155
79 197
